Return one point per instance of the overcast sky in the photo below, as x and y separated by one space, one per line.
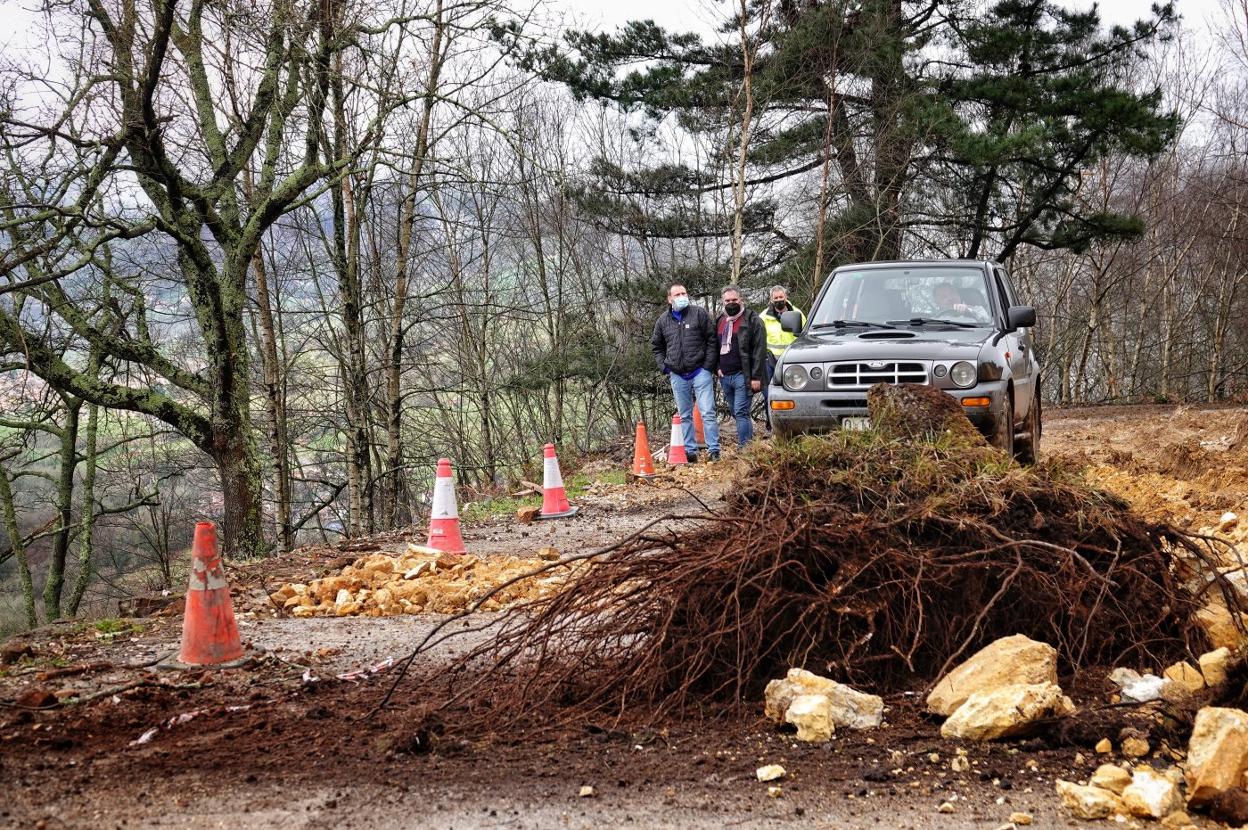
695 15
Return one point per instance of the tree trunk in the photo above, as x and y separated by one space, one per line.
19 549
87 512
275 403
239 467
55 582
399 507
892 139
743 136
231 441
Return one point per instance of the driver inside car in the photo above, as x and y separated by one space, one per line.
949 301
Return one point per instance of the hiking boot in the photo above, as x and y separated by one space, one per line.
714 455
692 456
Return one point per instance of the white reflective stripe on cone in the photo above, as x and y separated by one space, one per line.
444 499
553 478
678 434
203 579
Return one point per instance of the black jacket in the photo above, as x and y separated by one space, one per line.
752 339
686 344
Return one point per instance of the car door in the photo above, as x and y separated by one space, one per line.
1017 347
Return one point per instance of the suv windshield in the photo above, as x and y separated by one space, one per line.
927 295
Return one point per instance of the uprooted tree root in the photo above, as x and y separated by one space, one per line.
867 557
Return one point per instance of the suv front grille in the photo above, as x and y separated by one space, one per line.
861 374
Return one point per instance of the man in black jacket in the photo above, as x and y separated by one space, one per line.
742 359
686 350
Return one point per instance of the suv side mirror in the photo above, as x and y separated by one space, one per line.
791 321
1020 317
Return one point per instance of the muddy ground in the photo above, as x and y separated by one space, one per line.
290 738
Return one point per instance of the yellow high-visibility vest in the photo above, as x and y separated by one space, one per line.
777 338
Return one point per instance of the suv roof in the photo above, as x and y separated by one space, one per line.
893 263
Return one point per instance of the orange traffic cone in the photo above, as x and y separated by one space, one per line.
209 632
643 464
699 437
554 497
676 450
444 519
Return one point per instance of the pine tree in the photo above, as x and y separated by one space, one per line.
923 126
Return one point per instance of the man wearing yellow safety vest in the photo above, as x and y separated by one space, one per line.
777 338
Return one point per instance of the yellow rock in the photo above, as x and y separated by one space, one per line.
1219 625
1214 666
1009 661
282 594
1135 747
771 772
1150 795
1186 676
811 715
1021 819
1176 820
847 706
418 570
1111 777
1103 746
1006 711
1217 754
1088 802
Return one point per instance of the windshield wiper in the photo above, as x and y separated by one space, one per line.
840 324
920 321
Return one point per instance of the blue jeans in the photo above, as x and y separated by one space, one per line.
703 387
737 392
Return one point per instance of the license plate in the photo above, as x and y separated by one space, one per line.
856 422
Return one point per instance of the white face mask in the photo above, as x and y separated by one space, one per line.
680 303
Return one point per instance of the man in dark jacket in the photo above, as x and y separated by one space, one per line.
686 350
742 359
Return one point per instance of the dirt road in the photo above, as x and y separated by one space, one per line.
285 742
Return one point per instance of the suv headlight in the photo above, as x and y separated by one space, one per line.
963 374
795 378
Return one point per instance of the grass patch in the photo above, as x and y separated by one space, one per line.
111 627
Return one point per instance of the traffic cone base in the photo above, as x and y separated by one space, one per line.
571 511
444 517
676 450
554 496
643 464
209 630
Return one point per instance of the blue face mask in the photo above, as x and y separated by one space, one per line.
680 303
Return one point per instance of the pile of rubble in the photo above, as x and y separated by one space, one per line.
426 581
1209 778
1009 689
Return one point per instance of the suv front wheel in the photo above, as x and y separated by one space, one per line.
1003 436
1027 448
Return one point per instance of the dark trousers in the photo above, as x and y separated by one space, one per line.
771 370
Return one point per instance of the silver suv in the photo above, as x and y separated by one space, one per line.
954 324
